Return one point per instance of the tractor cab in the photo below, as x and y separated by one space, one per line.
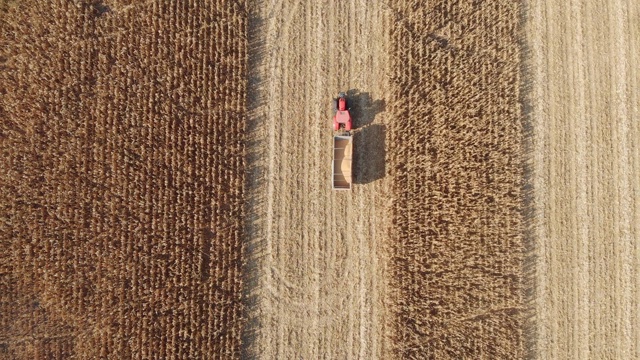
342 118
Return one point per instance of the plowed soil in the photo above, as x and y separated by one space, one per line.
317 252
586 96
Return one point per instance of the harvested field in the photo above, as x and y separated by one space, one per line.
457 165
317 254
121 139
586 112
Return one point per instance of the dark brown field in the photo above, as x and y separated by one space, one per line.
457 237
121 139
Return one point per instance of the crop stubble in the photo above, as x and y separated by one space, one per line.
586 96
317 252
457 242
122 179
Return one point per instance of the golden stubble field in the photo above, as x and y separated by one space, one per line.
585 101
319 267
122 179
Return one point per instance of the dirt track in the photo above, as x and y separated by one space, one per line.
320 290
586 105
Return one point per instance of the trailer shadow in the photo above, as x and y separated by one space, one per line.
368 138
369 147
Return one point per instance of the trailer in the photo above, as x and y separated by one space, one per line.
342 162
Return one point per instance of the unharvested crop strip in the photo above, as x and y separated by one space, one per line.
122 129
457 246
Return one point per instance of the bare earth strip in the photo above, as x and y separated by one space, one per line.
587 160
317 269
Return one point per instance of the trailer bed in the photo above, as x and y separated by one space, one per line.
342 162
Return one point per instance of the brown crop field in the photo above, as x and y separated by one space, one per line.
165 179
457 243
122 179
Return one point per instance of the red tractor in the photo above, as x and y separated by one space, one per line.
342 119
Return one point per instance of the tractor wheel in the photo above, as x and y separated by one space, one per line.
336 125
347 126
335 105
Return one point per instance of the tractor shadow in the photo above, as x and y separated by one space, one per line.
368 138
363 108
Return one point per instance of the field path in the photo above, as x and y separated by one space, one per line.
316 271
587 156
